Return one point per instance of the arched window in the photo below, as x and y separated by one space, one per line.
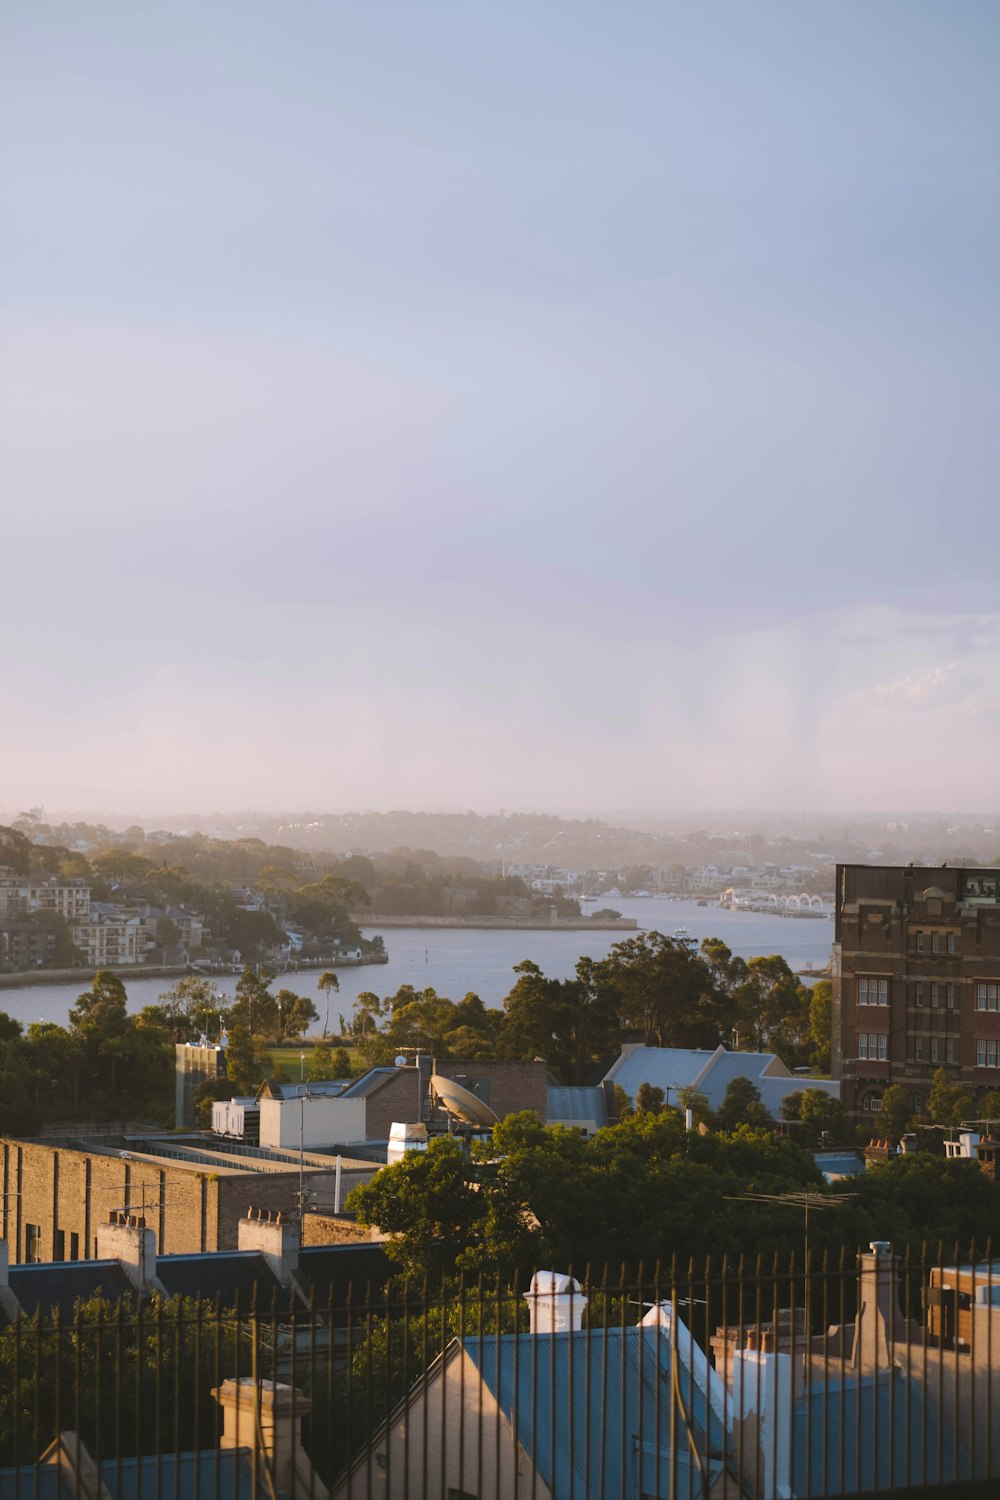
872 1102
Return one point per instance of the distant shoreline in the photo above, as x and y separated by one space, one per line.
84 976
514 924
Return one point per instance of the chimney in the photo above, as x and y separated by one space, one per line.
762 1398
9 1304
276 1235
555 1303
268 1415
126 1239
879 1322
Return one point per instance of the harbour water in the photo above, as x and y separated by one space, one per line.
455 961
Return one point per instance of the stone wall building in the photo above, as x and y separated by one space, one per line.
192 1192
916 981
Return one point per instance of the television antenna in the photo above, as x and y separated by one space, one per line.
808 1203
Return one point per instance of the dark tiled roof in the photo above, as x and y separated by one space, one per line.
62 1283
329 1271
226 1275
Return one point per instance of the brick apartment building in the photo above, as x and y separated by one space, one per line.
916 981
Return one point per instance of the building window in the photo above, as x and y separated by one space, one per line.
60 1245
918 1048
920 994
950 1049
872 1046
872 1102
935 996
934 1049
986 996
935 942
949 996
74 1245
33 1243
873 991
991 1054
951 942
918 1103
920 942
980 1054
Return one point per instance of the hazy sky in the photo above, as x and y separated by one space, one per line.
536 403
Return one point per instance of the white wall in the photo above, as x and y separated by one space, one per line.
324 1121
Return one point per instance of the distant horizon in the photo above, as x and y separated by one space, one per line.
148 819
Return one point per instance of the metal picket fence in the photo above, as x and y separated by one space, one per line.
874 1372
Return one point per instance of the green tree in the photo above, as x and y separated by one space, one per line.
741 1106
192 1008
948 1103
245 1065
296 1013
327 981
649 1099
772 1010
820 1024
571 1023
325 1063
100 1018
989 1110
658 985
255 1009
429 1207
697 1102
896 1111
15 849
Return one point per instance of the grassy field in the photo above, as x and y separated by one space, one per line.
290 1061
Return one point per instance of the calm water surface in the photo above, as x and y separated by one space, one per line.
454 961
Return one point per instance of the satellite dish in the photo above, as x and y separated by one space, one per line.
461 1103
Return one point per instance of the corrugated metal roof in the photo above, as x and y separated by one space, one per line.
368 1083
675 1068
592 1410
576 1104
223 1474
31 1482
664 1067
874 1433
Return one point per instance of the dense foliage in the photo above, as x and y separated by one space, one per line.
647 1191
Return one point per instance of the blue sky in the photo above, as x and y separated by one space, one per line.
551 404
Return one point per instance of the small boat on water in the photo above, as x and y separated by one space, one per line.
682 935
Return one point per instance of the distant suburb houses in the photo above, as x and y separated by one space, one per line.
104 933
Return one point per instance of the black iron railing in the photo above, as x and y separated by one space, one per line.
871 1373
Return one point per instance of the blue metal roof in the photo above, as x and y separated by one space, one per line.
876 1432
592 1411
670 1068
223 1474
34 1482
570 1104
837 1164
675 1068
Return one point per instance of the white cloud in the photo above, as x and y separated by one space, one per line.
941 687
